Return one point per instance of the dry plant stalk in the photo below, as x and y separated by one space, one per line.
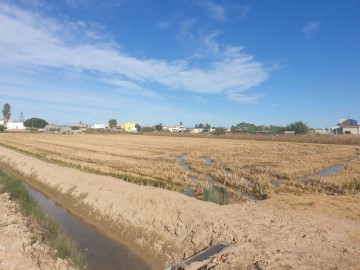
241 165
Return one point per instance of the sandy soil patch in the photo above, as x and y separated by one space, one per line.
284 232
18 249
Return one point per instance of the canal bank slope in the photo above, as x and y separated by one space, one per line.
18 250
287 232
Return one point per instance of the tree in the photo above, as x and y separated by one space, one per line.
159 127
2 128
6 113
138 127
219 131
112 123
147 129
299 127
22 117
35 123
244 127
181 123
277 129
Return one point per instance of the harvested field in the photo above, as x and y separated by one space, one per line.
310 138
287 231
243 167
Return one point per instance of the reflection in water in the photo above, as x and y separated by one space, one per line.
246 181
99 251
186 167
208 162
209 179
333 169
276 183
181 159
189 192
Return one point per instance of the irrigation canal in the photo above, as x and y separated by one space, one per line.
99 251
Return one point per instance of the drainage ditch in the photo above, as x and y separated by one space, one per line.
99 251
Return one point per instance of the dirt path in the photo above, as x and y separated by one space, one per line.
18 249
284 232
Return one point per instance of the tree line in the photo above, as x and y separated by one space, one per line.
298 127
30 123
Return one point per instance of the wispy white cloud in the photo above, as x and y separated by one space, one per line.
163 25
30 40
200 99
242 98
243 10
210 43
185 34
310 28
130 87
89 3
215 10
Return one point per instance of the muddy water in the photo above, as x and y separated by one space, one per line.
333 169
100 252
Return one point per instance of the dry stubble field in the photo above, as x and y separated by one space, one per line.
298 227
244 168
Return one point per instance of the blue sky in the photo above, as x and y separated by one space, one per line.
221 62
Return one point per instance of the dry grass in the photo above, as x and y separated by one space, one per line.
309 138
153 160
340 207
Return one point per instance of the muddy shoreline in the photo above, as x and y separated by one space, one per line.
164 226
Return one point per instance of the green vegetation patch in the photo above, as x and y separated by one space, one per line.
51 233
217 195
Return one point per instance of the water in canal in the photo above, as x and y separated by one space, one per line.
100 252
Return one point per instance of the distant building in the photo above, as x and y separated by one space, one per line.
129 126
346 126
63 129
13 125
196 130
289 132
321 131
79 126
175 128
99 126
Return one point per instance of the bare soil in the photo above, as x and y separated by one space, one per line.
307 231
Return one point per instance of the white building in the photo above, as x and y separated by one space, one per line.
13 125
175 128
197 130
99 126
346 126
321 131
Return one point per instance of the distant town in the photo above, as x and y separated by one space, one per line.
343 127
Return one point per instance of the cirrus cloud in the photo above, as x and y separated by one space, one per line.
32 40
310 28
